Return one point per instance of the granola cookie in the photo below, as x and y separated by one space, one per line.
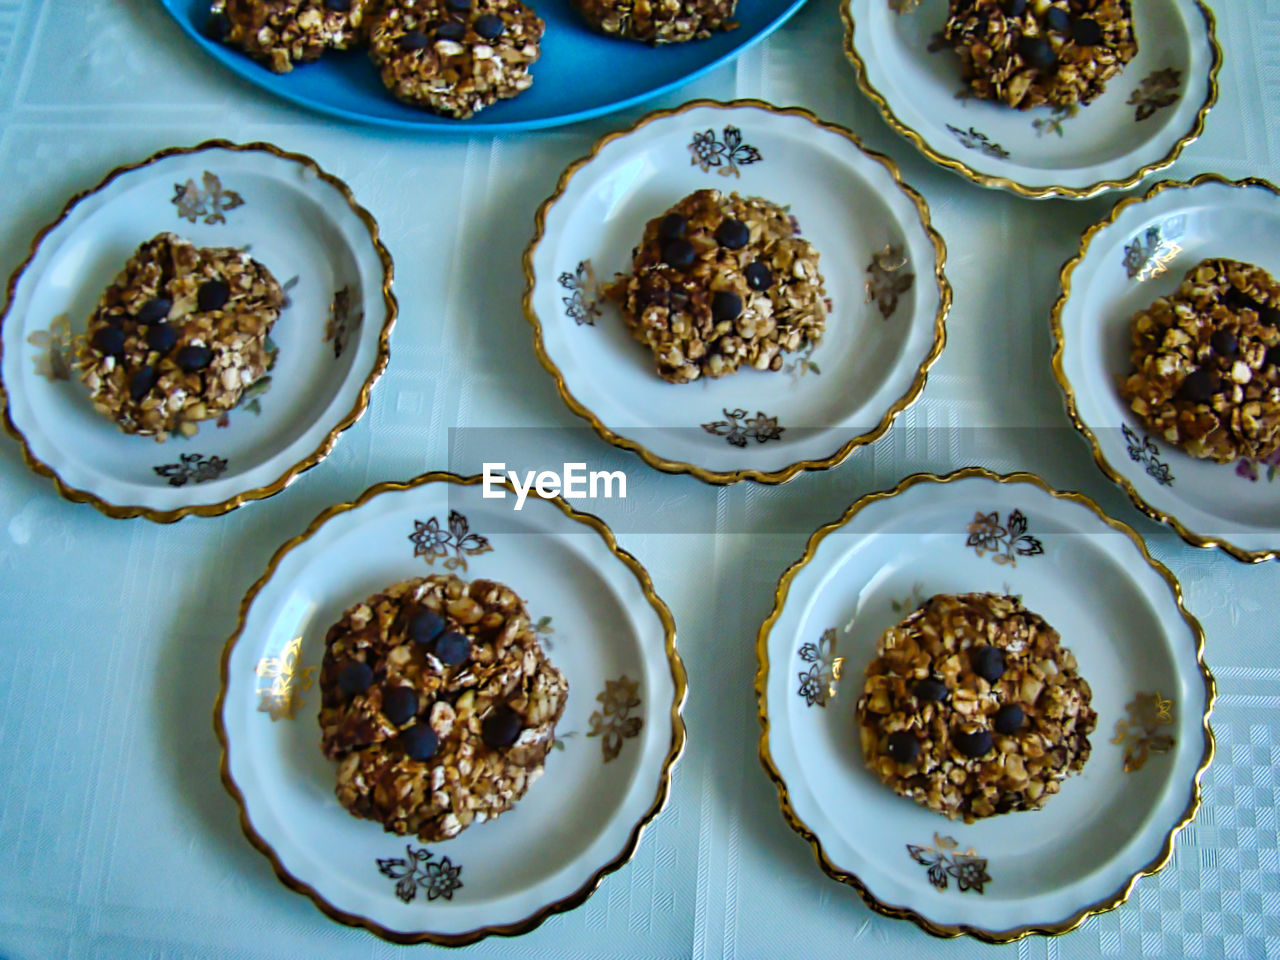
972 707
281 33
178 336
722 281
438 703
1028 53
456 57
663 21
1206 363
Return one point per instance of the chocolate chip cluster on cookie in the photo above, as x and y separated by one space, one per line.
281 33
1027 53
179 336
438 703
972 707
659 21
719 282
1206 363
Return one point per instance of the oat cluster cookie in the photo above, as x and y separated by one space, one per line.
659 21
438 703
972 707
719 282
1027 53
455 57
1206 363
178 336
281 33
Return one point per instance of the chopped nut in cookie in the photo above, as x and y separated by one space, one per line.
281 33
663 21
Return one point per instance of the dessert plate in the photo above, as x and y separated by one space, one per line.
1147 114
1118 610
580 74
882 261
1139 252
333 336
620 735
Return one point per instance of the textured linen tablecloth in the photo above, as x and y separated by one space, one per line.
116 837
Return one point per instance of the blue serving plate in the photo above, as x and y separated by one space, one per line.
581 74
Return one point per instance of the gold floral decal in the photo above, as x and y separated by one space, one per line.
56 349
544 629
1005 543
903 6
975 140
211 203
341 322
944 861
437 877
1149 254
614 723
724 155
583 303
1139 735
1157 91
432 543
1143 450
888 279
818 683
914 602
740 428
1248 467
802 361
283 697
192 468
1053 122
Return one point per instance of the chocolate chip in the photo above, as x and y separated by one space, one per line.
725 306
758 276
449 30
425 626
1199 386
679 299
399 705
1269 316
109 341
732 234
903 746
355 677
1086 32
458 6
973 744
490 27
1037 53
501 728
1009 719
987 662
419 742
1238 300
338 6
414 40
192 359
162 337
679 253
453 648
930 690
672 226
142 381
213 295
1015 8
155 309
1058 19
1224 343
217 27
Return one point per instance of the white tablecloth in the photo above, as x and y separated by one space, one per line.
116 837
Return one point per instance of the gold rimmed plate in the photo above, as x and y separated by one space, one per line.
601 624
1118 610
1139 124
332 337
881 259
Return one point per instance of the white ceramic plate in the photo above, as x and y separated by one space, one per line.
1118 610
1148 113
621 731
850 203
299 221
1141 251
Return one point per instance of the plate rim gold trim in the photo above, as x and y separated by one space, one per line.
678 731
125 511
1005 183
724 477
943 930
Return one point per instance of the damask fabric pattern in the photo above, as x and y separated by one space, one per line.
116 837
